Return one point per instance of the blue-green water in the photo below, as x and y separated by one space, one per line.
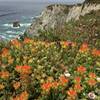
24 12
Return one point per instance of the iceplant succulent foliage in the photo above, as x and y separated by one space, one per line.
34 69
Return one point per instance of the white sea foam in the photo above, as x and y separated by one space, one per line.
8 25
25 24
10 32
21 25
14 32
12 36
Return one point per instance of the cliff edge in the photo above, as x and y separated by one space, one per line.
56 16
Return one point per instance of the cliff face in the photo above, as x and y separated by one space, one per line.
56 16
49 18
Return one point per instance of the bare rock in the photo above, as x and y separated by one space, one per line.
16 24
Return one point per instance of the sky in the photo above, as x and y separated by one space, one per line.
46 0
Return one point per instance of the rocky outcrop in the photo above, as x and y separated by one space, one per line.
16 24
49 19
56 16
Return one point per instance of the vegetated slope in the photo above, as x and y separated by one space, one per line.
68 22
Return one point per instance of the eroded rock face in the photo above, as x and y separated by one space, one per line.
76 11
49 18
56 16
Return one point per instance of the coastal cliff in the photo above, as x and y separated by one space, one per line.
56 16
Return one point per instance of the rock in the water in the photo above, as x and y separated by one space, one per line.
16 24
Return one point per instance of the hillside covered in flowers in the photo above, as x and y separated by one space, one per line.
43 70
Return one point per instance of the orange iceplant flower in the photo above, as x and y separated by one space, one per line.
77 87
81 69
72 93
64 44
67 43
16 43
4 74
77 79
91 82
63 80
23 69
16 85
55 84
96 52
24 95
46 86
5 52
84 47
27 40
92 75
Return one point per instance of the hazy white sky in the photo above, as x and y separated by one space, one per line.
47 0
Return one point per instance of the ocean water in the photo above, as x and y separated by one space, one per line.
24 12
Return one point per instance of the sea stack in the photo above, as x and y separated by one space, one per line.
16 24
